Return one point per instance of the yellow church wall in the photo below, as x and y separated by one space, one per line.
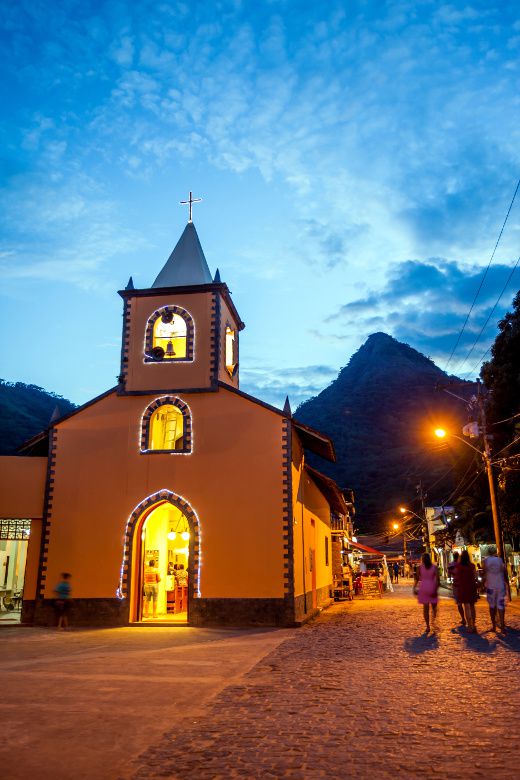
309 504
22 486
143 376
232 480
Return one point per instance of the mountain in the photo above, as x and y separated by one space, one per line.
25 410
381 412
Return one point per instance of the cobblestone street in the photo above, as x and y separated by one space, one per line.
361 692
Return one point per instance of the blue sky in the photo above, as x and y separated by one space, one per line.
356 161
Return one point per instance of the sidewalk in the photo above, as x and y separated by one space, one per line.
80 705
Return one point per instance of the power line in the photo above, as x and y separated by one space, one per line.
492 311
507 445
483 277
466 487
508 419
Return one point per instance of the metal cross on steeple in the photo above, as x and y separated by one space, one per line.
191 200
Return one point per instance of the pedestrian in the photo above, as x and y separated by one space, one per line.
426 588
62 601
467 594
496 578
391 573
407 570
396 572
453 574
151 588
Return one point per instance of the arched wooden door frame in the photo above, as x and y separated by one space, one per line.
129 585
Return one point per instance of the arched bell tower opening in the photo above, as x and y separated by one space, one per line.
161 565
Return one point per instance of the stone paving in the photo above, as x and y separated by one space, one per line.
361 692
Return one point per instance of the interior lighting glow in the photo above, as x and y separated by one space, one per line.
171 535
185 536
172 452
120 593
178 359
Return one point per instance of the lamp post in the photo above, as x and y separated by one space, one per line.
395 526
486 457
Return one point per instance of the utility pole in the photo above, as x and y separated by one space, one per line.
486 455
426 532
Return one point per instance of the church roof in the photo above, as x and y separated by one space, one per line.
186 265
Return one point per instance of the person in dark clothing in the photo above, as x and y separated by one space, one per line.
62 601
467 589
452 572
396 572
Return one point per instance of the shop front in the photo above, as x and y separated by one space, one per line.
14 540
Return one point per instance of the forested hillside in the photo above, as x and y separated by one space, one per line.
380 412
25 410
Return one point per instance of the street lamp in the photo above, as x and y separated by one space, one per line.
441 433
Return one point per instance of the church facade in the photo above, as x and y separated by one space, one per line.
175 497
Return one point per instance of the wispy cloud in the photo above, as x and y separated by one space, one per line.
424 303
273 384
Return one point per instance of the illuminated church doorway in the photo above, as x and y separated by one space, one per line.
163 565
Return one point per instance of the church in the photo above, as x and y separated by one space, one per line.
174 497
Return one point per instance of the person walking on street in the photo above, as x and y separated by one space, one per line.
396 572
496 588
426 588
467 589
62 601
453 574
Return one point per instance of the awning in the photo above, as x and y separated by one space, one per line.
366 549
330 490
315 441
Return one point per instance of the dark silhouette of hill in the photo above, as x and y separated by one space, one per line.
381 411
25 410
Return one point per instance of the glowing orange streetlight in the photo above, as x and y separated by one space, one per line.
395 526
441 433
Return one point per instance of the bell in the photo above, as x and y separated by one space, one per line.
170 352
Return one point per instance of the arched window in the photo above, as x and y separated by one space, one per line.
169 335
166 426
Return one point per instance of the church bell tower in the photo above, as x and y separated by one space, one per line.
180 334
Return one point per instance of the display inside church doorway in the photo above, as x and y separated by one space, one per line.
163 566
14 539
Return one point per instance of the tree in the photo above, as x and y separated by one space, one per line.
501 377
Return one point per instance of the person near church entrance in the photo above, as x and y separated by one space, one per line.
396 572
151 588
62 601
181 576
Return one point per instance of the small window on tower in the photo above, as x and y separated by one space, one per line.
169 337
231 351
166 429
